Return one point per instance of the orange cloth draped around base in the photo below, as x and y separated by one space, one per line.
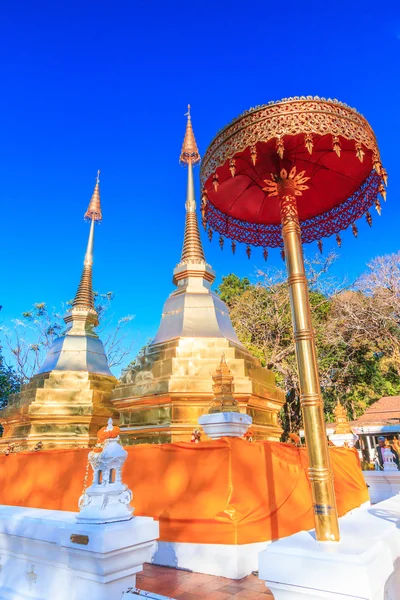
228 491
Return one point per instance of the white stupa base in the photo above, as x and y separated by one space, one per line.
382 484
364 565
233 561
225 424
46 555
342 439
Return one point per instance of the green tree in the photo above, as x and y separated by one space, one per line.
231 287
357 333
9 383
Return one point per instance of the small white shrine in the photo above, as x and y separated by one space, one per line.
96 553
108 499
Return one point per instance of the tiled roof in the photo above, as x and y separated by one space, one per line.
384 411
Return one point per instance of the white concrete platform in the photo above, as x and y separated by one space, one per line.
382 484
231 561
364 565
47 555
225 424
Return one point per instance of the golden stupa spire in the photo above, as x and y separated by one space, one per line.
94 209
84 298
341 418
190 153
192 250
223 389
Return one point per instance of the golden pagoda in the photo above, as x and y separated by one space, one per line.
341 419
223 389
161 398
69 398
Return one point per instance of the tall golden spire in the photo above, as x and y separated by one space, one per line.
192 250
190 153
84 296
94 208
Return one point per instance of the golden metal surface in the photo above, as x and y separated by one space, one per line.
94 210
162 397
320 472
61 409
192 250
189 153
223 389
69 398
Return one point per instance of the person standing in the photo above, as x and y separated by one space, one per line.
379 453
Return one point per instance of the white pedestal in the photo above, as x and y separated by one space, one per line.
225 424
233 561
340 439
364 565
382 484
46 555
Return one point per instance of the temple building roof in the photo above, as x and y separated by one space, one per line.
384 411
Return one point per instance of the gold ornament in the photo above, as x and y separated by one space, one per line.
338 240
232 166
369 218
265 254
354 230
275 120
210 233
216 182
233 247
280 148
248 252
253 154
290 183
308 142
221 242
359 151
320 246
336 145
378 206
382 191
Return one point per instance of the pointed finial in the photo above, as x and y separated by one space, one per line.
190 153
84 298
192 251
109 424
94 209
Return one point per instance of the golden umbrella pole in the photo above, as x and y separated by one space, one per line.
320 472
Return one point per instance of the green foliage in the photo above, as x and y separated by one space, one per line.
357 334
231 287
9 383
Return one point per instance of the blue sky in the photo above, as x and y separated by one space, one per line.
105 85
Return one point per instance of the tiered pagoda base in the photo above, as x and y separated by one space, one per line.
161 399
59 409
